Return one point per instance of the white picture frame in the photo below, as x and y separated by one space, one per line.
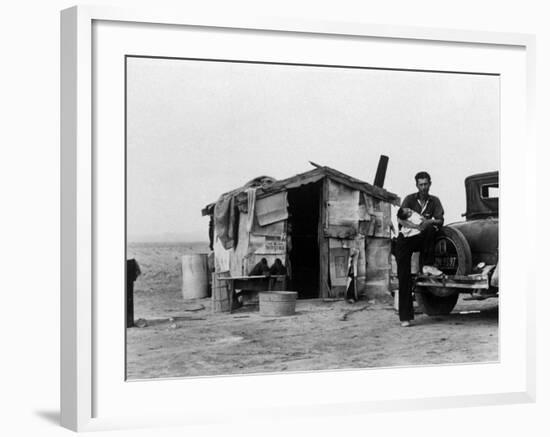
82 367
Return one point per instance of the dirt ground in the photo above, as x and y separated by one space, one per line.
187 339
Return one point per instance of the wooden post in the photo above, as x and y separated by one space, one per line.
324 290
220 296
231 289
129 304
132 273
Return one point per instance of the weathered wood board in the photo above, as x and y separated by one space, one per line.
378 266
342 209
339 258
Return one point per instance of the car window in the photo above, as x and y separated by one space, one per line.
489 191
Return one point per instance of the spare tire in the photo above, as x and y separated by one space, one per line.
454 257
452 252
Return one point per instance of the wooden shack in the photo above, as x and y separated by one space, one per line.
313 222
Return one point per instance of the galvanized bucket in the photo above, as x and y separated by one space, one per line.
278 303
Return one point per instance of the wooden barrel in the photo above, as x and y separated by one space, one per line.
194 276
220 294
278 303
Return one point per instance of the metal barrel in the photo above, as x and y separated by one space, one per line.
194 276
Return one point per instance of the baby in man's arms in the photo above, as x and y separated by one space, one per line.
410 222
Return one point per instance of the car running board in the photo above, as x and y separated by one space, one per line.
479 296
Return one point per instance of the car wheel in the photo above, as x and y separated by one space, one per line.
452 256
433 305
452 252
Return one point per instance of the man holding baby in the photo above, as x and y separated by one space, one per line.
419 217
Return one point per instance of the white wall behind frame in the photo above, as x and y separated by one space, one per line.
30 95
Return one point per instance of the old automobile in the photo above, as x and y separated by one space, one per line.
466 252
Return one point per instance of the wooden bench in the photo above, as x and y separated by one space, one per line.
253 283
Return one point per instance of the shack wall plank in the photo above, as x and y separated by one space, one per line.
382 216
343 205
378 266
342 232
324 289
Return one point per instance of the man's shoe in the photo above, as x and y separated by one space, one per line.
405 324
431 271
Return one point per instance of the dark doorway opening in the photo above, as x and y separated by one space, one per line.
303 208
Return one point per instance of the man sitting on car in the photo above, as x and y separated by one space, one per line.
430 208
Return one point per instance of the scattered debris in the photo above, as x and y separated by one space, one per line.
193 307
141 323
173 326
344 318
184 319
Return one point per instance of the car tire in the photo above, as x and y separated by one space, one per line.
464 257
438 301
463 252
433 305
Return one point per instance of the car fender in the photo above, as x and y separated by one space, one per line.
494 278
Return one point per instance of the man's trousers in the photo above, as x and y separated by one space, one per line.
404 248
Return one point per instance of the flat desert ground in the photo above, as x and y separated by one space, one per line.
185 338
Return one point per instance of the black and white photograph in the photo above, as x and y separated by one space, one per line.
294 217
272 219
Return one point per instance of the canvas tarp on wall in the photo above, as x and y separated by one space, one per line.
272 209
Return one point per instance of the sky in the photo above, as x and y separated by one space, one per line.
196 129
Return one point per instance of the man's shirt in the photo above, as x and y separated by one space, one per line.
432 208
